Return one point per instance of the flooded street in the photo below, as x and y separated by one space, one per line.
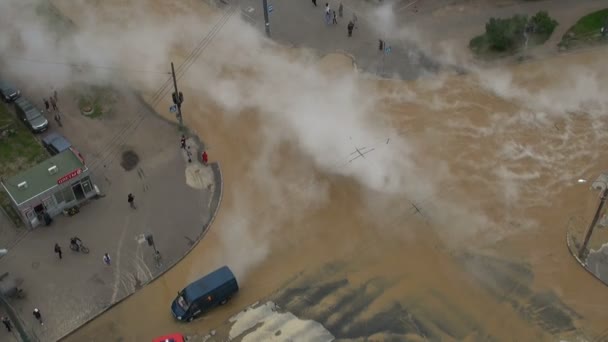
427 210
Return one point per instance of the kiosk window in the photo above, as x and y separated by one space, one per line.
66 195
86 186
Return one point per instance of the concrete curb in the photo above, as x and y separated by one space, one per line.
572 248
217 196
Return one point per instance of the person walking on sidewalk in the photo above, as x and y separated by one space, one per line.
106 259
335 20
327 14
314 2
46 104
38 316
183 141
205 157
340 10
58 250
55 96
53 103
350 28
7 323
57 118
131 200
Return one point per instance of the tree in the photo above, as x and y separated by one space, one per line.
543 23
505 34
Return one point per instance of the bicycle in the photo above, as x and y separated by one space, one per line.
77 246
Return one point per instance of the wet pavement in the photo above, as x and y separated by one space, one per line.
82 286
451 227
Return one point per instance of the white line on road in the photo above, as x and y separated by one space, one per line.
408 5
117 267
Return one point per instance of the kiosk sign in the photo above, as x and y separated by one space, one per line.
69 176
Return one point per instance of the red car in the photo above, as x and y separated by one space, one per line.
170 338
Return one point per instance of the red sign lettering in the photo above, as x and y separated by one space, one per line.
69 176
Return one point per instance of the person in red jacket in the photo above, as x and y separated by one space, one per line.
205 157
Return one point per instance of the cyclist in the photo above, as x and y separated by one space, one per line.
75 242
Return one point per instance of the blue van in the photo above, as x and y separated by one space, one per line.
216 288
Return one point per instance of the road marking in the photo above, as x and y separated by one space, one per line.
408 5
117 267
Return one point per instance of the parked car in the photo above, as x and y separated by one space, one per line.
170 338
55 143
31 116
9 93
216 288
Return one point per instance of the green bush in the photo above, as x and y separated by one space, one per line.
505 34
543 23
478 43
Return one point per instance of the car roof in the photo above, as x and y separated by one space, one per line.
32 113
58 141
209 282
6 85
171 338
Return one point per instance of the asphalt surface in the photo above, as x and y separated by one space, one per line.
74 289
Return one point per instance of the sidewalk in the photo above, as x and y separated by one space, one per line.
74 289
299 23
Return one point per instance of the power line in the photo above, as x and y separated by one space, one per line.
121 136
83 65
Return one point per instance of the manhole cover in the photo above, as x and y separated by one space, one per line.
129 160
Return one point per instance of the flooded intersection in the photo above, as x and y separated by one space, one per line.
452 226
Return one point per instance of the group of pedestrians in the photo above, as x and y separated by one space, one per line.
52 101
331 18
8 324
186 147
59 251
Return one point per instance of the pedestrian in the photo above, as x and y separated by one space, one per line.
380 44
183 141
57 118
327 14
340 10
53 103
55 96
314 2
46 104
350 27
38 316
205 157
7 323
131 200
106 259
58 250
335 20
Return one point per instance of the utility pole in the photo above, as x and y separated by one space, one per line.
266 20
582 251
178 98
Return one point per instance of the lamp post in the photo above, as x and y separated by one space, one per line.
583 250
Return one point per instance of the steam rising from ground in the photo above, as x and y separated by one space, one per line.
320 118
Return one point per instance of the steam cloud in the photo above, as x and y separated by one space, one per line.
326 116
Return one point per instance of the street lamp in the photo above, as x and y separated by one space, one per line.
598 185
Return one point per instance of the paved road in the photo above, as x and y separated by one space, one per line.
423 25
74 289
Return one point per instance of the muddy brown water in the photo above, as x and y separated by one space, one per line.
483 257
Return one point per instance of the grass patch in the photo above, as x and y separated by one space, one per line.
587 30
98 99
18 151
